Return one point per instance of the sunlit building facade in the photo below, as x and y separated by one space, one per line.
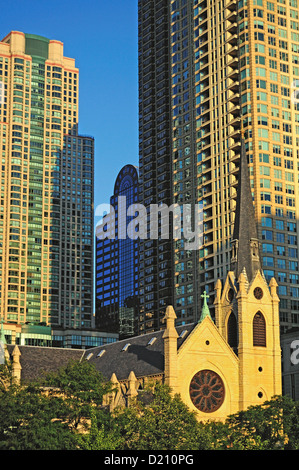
46 231
232 69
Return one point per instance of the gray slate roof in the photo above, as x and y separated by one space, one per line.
140 357
35 360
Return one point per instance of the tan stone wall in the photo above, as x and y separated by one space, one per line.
206 349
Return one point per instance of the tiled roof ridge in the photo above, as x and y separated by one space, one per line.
133 338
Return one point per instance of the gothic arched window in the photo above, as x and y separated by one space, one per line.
259 330
232 331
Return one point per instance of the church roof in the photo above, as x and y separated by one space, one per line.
35 360
142 354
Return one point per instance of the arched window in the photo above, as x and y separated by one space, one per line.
259 330
232 331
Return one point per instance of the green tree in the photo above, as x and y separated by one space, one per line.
82 388
100 435
64 411
28 421
273 425
5 377
159 421
50 414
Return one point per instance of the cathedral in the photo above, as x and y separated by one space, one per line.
218 366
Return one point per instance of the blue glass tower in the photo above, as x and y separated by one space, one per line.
117 262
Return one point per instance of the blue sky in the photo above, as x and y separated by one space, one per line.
102 36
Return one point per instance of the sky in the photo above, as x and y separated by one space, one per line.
101 35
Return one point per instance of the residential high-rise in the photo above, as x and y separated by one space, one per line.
156 266
231 68
117 260
46 218
76 233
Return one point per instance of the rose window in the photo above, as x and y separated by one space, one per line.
207 391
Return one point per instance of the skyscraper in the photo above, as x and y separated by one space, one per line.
76 233
156 258
117 260
231 68
46 218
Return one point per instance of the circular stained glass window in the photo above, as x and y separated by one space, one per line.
258 293
207 391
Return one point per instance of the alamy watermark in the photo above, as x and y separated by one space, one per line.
295 353
295 92
158 221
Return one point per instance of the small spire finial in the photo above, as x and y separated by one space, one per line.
205 312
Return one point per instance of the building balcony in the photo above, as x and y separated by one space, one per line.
232 62
203 16
233 51
203 40
235 142
231 5
232 40
202 6
233 97
234 133
231 15
202 54
233 72
231 27
233 85
234 109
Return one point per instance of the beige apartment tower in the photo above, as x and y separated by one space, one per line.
233 67
45 244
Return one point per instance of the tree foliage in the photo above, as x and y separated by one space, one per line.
50 413
64 411
165 423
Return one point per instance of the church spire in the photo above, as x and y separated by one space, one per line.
245 243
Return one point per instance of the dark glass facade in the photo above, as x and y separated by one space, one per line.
117 260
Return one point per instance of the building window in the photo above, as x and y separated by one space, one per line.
259 330
232 332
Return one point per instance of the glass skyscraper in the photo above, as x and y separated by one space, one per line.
224 68
46 205
117 260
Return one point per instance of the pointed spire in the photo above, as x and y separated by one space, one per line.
170 317
218 288
132 383
245 243
205 311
